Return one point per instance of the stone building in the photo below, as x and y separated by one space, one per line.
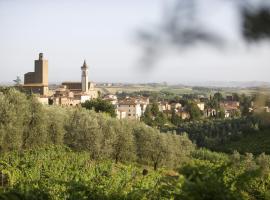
37 81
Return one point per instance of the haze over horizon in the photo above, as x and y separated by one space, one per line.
104 33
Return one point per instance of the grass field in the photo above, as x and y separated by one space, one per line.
179 90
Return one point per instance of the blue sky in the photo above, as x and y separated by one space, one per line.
104 33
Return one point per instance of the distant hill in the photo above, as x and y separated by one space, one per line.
249 84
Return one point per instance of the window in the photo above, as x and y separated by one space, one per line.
129 114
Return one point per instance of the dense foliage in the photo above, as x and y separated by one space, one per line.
59 173
26 124
247 134
153 117
100 105
211 133
49 152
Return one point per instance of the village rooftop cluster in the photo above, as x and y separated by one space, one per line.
76 93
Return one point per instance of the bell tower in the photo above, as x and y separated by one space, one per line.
84 69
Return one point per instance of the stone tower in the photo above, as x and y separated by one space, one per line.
84 69
40 76
41 70
37 81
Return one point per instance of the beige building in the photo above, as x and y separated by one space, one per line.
121 114
164 106
37 81
129 109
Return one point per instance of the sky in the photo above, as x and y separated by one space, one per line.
104 33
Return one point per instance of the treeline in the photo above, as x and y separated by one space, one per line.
26 124
214 134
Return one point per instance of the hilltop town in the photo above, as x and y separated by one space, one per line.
134 106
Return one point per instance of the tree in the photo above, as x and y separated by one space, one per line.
194 111
147 116
109 129
143 139
236 97
179 150
154 109
123 145
14 113
221 113
218 96
35 133
83 132
153 117
245 104
100 105
161 119
159 150
55 120
175 119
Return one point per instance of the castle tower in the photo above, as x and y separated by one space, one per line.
84 69
37 81
41 70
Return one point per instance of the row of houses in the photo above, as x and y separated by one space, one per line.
178 108
65 96
231 108
130 107
134 107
